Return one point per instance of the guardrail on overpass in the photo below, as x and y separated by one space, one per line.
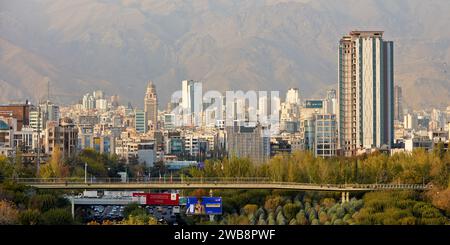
205 183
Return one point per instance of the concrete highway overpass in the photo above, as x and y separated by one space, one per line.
219 183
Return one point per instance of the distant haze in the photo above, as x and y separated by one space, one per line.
118 45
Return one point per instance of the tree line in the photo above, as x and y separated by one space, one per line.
416 167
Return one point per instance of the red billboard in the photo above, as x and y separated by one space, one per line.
167 199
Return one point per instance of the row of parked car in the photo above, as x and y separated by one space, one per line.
164 214
101 213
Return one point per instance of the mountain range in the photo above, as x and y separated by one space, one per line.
118 45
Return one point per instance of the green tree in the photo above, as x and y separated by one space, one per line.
301 218
290 210
43 202
57 216
131 207
272 203
29 217
140 219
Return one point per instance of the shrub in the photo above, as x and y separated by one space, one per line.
29 217
272 203
290 210
57 216
250 209
9 215
338 222
281 220
43 202
301 218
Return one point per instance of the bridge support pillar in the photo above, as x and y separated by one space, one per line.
343 197
347 198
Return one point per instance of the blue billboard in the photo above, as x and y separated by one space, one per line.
203 205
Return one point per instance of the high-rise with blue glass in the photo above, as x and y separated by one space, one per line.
365 97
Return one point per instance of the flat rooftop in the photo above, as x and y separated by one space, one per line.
366 33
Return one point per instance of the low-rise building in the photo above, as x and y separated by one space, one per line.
63 135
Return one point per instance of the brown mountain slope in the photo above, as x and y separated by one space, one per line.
117 45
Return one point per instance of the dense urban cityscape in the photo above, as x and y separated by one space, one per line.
360 133
364 114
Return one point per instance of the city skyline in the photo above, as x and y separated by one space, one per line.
360 116
208 113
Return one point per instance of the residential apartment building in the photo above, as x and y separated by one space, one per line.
365 91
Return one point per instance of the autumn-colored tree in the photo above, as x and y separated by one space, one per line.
199 193
440 199
142 219
56 168
93 222
439 172
107 222
6 167
250 209
272 203
9 215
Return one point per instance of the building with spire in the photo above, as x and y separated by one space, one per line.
151 107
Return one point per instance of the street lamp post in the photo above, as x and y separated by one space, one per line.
109 178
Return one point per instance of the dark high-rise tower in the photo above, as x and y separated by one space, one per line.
398 104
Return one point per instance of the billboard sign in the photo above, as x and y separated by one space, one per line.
183 201
140 198
163 199
203 205
314 104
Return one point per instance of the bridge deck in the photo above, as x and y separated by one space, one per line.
213 184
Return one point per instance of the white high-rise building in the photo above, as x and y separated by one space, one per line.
290 111
439 117
48 112
293 96
88 102
192 102
331 102
365 97
101 104
36 120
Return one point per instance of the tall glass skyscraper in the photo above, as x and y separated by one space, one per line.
366 84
